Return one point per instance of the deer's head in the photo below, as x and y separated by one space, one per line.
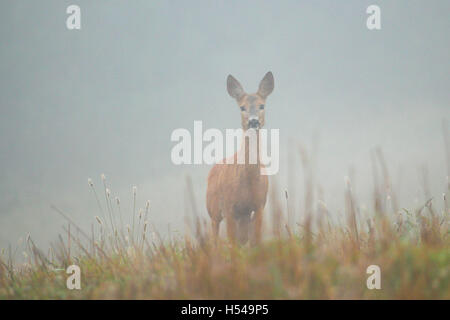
252 106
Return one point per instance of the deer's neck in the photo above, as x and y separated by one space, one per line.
250 153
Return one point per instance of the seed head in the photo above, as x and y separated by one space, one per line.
99 220
322 204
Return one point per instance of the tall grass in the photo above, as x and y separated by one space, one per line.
317 258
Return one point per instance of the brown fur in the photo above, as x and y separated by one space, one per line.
236 190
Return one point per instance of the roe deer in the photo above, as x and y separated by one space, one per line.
236 190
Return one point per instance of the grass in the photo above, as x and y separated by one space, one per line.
329 266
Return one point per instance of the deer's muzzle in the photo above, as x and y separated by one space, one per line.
253 123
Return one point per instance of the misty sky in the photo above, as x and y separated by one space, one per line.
105 99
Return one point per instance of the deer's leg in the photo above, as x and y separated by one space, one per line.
231 226
216 227
257 227
243 228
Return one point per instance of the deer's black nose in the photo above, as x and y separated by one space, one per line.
253 123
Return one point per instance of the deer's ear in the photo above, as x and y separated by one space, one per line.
234 88
266 85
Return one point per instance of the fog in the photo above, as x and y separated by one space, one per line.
105 99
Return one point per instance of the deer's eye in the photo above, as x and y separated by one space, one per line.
242 108
261 106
